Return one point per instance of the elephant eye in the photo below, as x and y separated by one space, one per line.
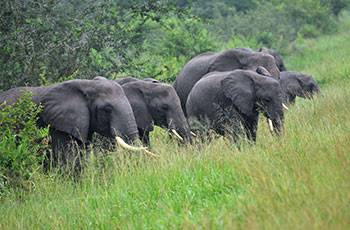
164 107
267 100
107 108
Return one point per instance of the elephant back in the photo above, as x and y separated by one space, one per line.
12 95
229 60
126 80
278 58
192 72
204 91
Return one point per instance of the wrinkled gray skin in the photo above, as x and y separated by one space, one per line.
76 109
297 84
276 55
157 104
229 60
223 101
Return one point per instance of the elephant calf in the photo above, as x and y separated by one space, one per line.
297 84
227 101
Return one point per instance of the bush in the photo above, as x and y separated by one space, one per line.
42 42
275 25
22 143
45 42
168 48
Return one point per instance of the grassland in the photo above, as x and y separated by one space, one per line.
301 181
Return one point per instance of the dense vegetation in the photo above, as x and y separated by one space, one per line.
42 42
300 180
22 144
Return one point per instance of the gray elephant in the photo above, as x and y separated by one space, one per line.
155 103
227 101
297 84
75 110
276 55
228 60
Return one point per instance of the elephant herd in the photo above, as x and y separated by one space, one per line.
223 91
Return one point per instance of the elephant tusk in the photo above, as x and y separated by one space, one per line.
270 124
177 135
193 134
285 107
124 145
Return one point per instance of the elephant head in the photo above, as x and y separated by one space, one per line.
297 84
225 99
277 56
81 107
157 103
249 91
242 59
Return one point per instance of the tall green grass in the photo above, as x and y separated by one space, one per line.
300 181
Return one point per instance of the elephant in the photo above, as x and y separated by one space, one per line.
277 56
229 103
297 84
239 58
156 103
74 110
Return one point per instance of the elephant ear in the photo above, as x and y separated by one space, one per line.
66 109
139 101
229 60
304 80
239 89
294 87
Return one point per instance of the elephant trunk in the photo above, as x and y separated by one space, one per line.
277 126
125 128
274 115
128 131
314 90
180 129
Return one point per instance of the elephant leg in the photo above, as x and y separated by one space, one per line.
251 125
291 99
235 130
144 135
229 123
66 152
201 126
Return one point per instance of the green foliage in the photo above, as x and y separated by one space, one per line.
169 47
42 42
22 144
301 179
45 42
276 23
336 6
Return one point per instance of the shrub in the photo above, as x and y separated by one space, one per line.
22 143
168 48
276 24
